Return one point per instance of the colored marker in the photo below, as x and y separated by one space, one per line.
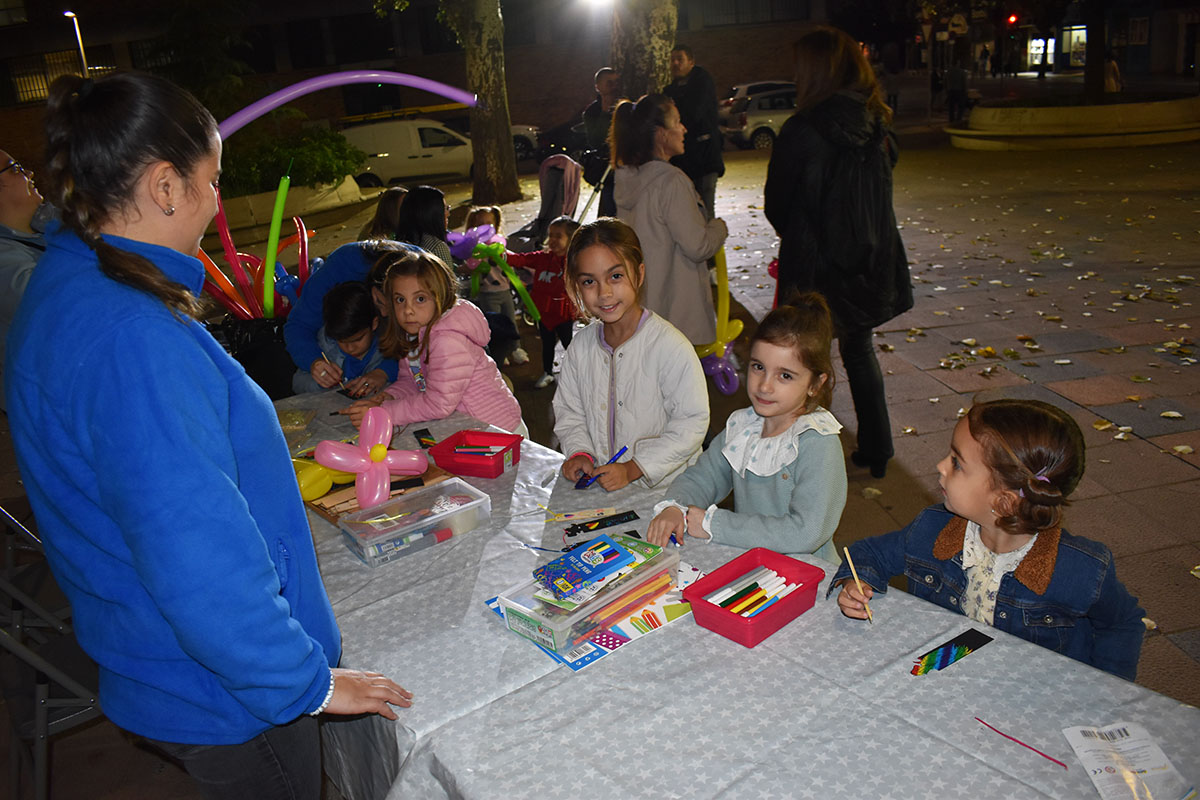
734 587
612 460
738 596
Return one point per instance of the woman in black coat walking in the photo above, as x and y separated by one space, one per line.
829 197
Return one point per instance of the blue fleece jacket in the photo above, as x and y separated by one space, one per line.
171 517
300 333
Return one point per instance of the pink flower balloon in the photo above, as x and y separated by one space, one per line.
370 459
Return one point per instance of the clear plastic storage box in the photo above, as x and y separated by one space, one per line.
559 629
415 520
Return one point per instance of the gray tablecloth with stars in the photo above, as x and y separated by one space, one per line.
827 707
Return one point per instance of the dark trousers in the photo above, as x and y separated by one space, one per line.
608 206
560 333
281 763
866 388
956 104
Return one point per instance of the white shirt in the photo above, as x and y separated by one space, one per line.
984 570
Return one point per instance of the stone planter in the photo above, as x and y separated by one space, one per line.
1079 127
254 210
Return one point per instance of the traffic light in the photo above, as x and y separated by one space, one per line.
1012 19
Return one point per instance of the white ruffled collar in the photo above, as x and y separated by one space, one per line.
746 450
977 554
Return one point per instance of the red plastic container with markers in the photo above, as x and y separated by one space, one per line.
749 631
476 465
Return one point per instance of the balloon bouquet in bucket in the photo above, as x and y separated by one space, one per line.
265 289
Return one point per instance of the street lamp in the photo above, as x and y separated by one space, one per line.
78 38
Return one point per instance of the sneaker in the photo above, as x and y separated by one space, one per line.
544 381
519 356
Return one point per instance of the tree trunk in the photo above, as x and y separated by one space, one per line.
642 38
480 31
1097 43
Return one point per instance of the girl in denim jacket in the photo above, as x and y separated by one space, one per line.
994 549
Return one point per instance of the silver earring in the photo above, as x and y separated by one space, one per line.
169 210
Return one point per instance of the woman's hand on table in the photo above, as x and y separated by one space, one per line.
359 692
852 602
669 522
358 410
368 384
576 467
326 375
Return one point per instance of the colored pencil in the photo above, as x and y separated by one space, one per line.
858 583
330 363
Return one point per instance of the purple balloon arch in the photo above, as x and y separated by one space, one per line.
240 119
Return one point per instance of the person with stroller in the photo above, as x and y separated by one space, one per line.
597 119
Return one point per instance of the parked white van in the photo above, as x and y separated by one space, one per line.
401 149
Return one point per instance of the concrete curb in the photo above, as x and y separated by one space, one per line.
1079 127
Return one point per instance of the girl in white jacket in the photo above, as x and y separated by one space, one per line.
629 379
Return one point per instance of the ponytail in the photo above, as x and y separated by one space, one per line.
101 135
631 137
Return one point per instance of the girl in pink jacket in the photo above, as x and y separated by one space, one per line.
439 341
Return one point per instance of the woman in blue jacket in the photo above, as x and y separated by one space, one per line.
156 468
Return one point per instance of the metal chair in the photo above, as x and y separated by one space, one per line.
49 683
23 615
47 691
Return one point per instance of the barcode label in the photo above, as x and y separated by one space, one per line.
579 652
1111 735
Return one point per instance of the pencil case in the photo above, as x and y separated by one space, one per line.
477 465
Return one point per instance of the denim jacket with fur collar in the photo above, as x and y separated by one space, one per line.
1064 595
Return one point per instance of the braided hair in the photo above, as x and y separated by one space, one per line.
1035 450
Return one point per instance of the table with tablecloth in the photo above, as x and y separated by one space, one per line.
826 707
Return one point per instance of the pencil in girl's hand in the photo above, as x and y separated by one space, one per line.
858 583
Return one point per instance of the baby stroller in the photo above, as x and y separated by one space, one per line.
559 180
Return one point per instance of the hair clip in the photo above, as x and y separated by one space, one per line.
85 88
1039 476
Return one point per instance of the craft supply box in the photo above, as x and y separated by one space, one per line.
477 466
558 629
416 520
749 631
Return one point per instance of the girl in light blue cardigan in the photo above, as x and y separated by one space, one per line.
781 458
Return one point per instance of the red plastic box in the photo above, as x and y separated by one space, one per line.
749 631
477 466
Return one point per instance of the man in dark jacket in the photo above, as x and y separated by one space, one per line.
695 96
597 118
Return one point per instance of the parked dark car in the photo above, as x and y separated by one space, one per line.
568 137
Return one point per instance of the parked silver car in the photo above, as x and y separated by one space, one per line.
755 121
743 90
